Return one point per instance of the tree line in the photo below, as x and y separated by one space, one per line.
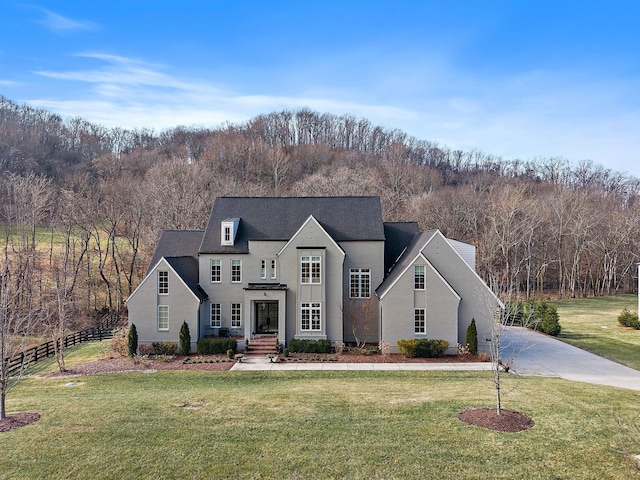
83 205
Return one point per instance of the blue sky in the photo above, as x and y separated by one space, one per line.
525 79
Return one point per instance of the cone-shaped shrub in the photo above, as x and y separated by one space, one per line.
472 337
132 340
185 339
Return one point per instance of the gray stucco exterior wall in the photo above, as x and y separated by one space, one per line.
182 303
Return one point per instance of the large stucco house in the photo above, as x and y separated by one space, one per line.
312 268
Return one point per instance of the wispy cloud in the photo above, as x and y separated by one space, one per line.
60 24
130 93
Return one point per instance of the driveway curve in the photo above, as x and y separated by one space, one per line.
533 353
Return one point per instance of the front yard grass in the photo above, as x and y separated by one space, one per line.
353 424
592 324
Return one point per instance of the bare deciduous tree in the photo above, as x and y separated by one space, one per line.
17 323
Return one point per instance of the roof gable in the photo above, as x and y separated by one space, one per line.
280 218
185 268
310 221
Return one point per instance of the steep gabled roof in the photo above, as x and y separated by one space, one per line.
176 243
187 269
271 218
398 236
409 256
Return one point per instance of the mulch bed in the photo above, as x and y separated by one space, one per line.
17 420
508 421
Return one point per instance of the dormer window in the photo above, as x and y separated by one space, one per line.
229 229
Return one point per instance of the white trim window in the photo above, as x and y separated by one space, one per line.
163 282
360 283
163 318
226 235
274 271
236 315
310 317
419 277
216 270
263 269
310 271
216 317
236 271
420 325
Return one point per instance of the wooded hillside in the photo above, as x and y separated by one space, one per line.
83 205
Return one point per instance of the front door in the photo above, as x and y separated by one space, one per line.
267 317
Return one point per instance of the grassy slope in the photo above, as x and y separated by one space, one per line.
314 425
592 324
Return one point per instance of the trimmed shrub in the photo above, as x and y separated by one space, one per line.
472 337
431 348
309 346
423 348
132 340
163 348
629 319
216 346
185 340
408 348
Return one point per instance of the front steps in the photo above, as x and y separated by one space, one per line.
262 345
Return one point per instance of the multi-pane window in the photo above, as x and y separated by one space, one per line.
310 316
236 315
418 275
216 271
310 269
236 271
163 317
419 319
360 283
274 272
216 318
226 238
263 269
163 283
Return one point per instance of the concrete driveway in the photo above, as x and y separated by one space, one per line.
538 354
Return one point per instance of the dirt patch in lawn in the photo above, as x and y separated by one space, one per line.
17 420
508 421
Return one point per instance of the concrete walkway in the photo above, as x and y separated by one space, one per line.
534 353
258 363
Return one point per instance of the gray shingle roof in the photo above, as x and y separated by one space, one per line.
187 269
344 218
413 249
398 235
176 243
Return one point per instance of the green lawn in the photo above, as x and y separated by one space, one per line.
592 324
268 425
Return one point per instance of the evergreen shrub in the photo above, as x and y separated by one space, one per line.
423 348
629 319
216 346
132 341
309 346
185 340
472 337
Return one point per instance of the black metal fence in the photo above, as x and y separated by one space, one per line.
102 332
